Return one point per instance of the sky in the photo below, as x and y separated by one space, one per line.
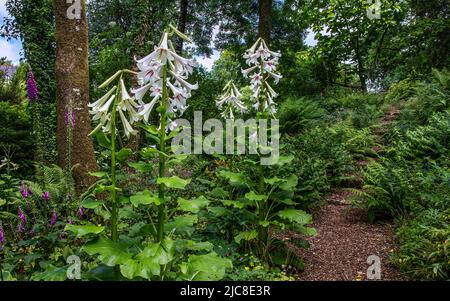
12 49
9 49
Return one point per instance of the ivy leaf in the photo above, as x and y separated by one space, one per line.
194 205
144 198
208 267
246 235
83 230
174 182
295 215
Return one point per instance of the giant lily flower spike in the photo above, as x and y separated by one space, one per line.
230 101
116 99
263 64
164 71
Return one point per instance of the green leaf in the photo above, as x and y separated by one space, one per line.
2 202
90 204
273 181
144 198
219 193
141 166
246 235
295 215
290 183
183 224
194 205
174 182
51 273
252 196
103 140
235 204
123 154
235 179
99 174
282 160
208 267
109 252
148 262
82 230
198 245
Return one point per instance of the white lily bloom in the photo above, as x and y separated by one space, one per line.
124 104
230 101
151 68
263 62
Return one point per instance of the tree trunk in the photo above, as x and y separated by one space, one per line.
265 19
182 21
72 81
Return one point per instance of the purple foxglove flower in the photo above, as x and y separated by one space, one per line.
32 89
62 235
80 212
69 221
23 220
31 231
24 191
2 238
53 221
46 196
70 118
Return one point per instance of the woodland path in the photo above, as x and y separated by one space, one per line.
345 238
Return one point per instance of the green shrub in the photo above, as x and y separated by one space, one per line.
16 142
296 115
425 245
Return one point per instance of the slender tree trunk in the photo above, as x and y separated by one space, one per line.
72 80
265 19
182 21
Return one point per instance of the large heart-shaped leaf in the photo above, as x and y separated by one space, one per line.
51 273
109 252
252 196
208 267
295 215
194 205
82 230
144 198
174 182
183 224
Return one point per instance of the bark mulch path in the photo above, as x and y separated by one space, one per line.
344 241
345 238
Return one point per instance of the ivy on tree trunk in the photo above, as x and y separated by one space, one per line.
72 80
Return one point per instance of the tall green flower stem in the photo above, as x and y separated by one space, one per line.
105 110
114 207
162 159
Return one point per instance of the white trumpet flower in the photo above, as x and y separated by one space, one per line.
263 62
164 60
118 99
230 101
